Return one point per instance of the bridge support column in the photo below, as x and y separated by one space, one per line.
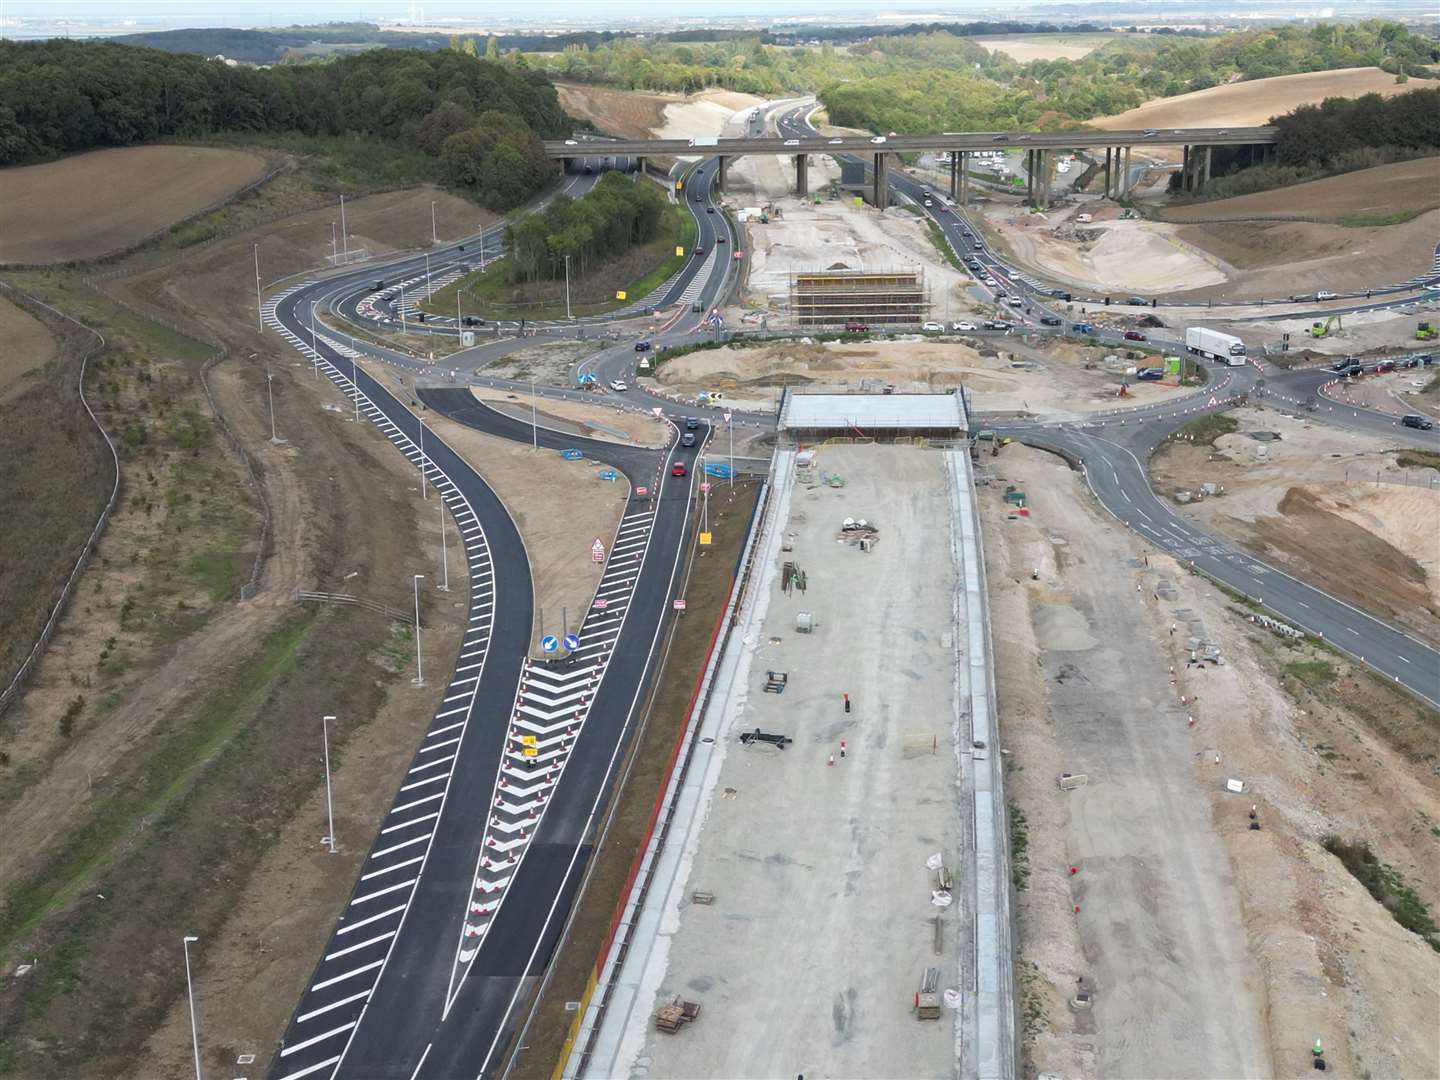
955 174
964 176
1043 158
720 175
1108 152
640 166
1209 153
564 165
1125 175
802 178
1029 160
1185 168
882 180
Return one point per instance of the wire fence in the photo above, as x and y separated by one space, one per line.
98 344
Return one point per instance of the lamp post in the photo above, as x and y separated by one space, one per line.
534 427
190 993
429 288
259 311
314 348
344 233
355 385
419 673
328 840
434 239
270 394
444 550
568 316
424 491
334 246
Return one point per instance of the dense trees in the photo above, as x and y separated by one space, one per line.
1321 134
614 216
58 97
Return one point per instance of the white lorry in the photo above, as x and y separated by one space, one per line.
1223 347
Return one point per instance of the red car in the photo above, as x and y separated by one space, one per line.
678 469
1134 335
854 327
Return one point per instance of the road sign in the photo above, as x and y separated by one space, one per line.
705 488
529 751
659 410
727 417
527 740
597 550
679 251
704 539
679 604
572 642
619 294
642 490
600 605
571 455
607 474
549 643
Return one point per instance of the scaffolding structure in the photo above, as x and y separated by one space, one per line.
873 297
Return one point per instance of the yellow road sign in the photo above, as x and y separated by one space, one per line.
527 740
619 294
705 539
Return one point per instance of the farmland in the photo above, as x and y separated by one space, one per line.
105 201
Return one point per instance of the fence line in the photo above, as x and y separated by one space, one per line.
37 650
358 601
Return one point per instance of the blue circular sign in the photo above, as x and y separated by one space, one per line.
549 643
572 642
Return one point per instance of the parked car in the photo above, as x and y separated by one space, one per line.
678 469
997 324
962 327
1135 335
932 328
618 386
642 346
1324 294
853 327
1415 420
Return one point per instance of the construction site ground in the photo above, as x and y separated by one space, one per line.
822 922
1408 390
1048 378
1219 262
1330 506
1210 949
603 419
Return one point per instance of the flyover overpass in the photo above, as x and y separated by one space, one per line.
1197 144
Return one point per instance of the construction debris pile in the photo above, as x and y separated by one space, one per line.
858 532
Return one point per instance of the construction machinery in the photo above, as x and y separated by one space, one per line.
1424 332
1319 329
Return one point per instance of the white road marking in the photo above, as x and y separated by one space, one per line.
313 1068
349 927
348 975
362 944
318 1038
333 1005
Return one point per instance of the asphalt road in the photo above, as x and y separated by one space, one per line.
439 942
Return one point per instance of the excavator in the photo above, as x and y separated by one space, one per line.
1424 332
1319 330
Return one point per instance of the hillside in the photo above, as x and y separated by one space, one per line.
1247 104
1404 187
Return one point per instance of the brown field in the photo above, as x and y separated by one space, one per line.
1247 104
93 204
1405 186
28 345
1026 47
626 113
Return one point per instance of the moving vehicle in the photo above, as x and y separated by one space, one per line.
1050 320
854 327
1015 301
1150 133
1415 420
472 320
792 142
1138 301
1083 327
618 386
836 142
997 324
688 439
678 469
932 328
1000 138
878 139
1150 374
642 346
697 306
692 424
720 240
1135 335
705 140
962 327
709 209
1226 348
1348 366
1325 294
928 203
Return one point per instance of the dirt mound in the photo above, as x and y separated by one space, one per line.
1387 189
1248 104
626 113
93 204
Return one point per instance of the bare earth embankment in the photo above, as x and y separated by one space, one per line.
1401 187
104 201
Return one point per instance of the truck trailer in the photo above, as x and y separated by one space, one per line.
1217 346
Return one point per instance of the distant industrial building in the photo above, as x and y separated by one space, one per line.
875 298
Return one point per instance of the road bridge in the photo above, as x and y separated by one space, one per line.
1197 145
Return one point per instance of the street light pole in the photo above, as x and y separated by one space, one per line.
534 427
190 993
403 328
434 239
329 806
568 316
429 287
424 491
334 246
314 348
344 233
730 427
259 311
270 393
444 550
419 674
355 385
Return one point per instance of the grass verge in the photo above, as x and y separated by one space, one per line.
1204 430
1019 848
942 245
1418 459
1387 886
494 294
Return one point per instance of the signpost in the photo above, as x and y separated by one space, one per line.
600 605
572 642
549 643
597 550
679 604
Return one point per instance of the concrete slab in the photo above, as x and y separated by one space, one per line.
822 924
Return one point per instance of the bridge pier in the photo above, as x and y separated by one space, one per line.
640 166
1125 175
1108 152
954 175
1029 177
882 180
802 178
720 173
